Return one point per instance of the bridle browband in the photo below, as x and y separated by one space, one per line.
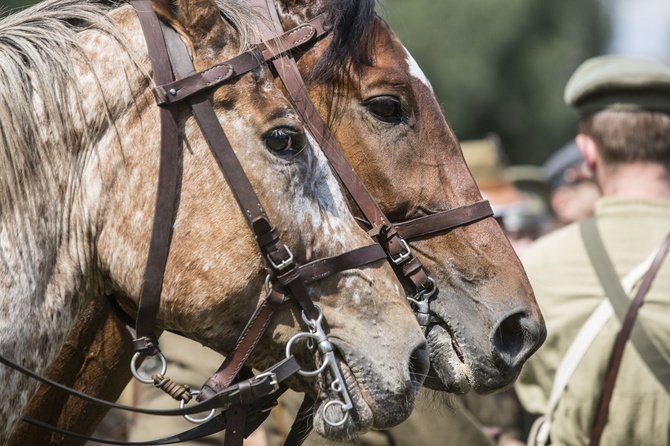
246 402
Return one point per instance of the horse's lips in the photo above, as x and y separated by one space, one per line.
360 417
448 362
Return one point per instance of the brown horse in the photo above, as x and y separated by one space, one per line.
78 171
385 115
389 123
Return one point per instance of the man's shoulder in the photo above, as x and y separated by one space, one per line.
557 244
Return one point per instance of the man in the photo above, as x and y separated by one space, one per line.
624 135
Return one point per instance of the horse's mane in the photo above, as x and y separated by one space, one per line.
353 40
42 125
39 101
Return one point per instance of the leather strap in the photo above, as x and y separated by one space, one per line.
255 415
159 247
624 334
541 428
610 282
263 384
444 220
408 268
231 366
218 74
236 418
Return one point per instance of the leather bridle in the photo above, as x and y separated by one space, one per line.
246 400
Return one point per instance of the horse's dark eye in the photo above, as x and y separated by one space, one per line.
385 108
284 140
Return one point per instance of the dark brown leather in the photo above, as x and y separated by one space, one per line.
245 344
159 246
218 74
617 354
322 268
236 419
292 277
444 220
382 229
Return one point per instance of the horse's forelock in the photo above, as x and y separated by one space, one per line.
352 47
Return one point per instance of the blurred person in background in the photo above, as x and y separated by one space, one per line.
573 190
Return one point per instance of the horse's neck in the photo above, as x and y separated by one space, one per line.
47 264
37 307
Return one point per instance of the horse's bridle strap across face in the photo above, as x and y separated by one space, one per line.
167 189
171 92
444 220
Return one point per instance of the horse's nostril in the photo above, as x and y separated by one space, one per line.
419 363
515 339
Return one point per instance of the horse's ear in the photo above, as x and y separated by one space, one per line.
199 20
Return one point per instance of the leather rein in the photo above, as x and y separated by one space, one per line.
246 402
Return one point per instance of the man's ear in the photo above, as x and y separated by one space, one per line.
589 149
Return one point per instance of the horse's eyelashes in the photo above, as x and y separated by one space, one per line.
385 108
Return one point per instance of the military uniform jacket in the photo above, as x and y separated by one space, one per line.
568 290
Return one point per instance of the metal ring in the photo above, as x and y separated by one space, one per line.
140 378
345 413
267 284
288 354
197 420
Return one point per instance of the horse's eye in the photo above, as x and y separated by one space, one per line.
284 140
385 108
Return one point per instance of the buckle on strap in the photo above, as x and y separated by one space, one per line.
284 263
402 256
272 377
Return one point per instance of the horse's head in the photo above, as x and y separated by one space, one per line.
215 274
383 111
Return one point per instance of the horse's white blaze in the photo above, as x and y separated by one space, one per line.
416 71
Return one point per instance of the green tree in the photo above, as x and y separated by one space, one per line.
501 66
7 6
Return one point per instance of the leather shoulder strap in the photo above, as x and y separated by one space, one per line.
617 354
620 302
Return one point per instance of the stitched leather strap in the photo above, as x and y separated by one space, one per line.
622 337
218 74
444 220
166 194
256 413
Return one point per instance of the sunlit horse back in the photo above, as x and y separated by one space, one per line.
79 161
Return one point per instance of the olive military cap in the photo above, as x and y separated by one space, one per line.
619 83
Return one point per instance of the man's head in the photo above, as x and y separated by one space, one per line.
624 108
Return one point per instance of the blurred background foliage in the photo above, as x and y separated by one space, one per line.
499 66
